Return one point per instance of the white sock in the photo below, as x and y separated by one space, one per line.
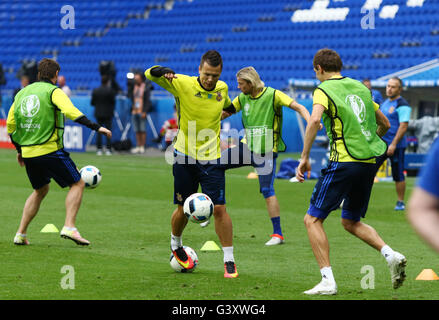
228 254
175 242
70 229
21 234
326 273
387 252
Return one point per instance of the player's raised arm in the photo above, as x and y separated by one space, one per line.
163 76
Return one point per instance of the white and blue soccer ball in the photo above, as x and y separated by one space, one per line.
198 208
91 176
177 267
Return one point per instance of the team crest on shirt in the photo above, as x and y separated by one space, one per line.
357 106
246 109
30 106
219 97
198 95
391 109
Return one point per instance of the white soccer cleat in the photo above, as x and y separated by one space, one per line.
397 269
275 240
21 240
205 223
325 287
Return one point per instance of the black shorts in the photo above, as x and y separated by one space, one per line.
189 174
348 181
56 165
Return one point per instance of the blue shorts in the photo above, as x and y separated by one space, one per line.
189 174
265 165
56 165
397 163
348 181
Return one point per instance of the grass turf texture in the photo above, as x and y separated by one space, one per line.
127 219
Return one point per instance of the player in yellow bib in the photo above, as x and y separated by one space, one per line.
199 102
261 108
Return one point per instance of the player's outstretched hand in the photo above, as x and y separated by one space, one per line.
170 76
105 131
303 167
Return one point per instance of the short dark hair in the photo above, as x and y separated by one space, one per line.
213 58
328 60
47 69
397 79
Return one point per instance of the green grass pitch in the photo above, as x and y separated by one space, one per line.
127 219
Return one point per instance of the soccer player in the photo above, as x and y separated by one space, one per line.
397 110
200 102
261 107
36 126
354 125
423 208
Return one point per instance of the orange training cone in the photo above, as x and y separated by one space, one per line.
427 274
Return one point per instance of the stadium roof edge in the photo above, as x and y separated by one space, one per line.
413 77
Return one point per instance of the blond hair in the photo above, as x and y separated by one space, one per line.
250 75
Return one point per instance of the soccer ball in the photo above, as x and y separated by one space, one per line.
177 267
91 176
198 207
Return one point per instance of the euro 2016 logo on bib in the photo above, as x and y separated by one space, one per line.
30 106
357 106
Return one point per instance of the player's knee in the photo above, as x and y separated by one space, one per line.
219 211
348 225
79 184
43 191
309 220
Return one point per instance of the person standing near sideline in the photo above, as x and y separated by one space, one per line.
423 206
139 111
354 125
36 124
200 102
398 111
103 99
261 107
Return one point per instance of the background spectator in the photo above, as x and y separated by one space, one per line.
104 99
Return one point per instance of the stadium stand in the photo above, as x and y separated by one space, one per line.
278 38
375 38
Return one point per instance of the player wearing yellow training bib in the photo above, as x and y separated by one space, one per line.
261 108
200 102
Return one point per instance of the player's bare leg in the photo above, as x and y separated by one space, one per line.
320 247
368 234
73 203
364 232
224 230
318 240
31 207
178 223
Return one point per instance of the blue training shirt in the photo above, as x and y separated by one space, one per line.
377 97
396 111
429 176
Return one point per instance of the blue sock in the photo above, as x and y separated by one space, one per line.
276 226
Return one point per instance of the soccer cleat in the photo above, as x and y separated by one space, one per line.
397 269
99 152
21 240
230 270
325 287
275 240
75 236
205 223
183 258
400 206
